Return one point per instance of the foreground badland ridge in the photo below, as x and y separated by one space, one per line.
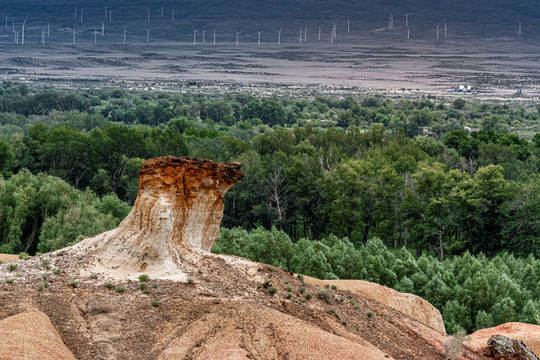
202 306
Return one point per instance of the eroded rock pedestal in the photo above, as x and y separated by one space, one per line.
178 208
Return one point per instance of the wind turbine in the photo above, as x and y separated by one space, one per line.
16 36
95 35
214 37
6 22
519 28
203 36
390 21
162 11
23 26
103 28
125 32
437 31
110 16
259 38
147 35
237 33
195 36
300 35
76 12
406 20
348 25
445 29
82 15
305 34
148 14
106 12
43 36
48 29
408 34
74 35
279 37
319 33
172 15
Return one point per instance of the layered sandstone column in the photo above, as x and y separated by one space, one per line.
178 208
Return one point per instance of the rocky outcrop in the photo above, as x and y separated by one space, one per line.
412 305
31 336
503 348
529 334
178 208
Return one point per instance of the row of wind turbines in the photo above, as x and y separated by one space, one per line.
79 16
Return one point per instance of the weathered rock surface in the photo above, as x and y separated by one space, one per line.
254 332
530 334
178 208
503 348
31 336
412 305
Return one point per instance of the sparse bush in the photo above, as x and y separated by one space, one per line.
46 285
101 306
10 281
270 269
332 311
155 285
44 276
23 256
289 288
57 271
344 322
142 285
12 267
109 285
453 346
272 290
370 314
190 281
74 283
301 289
308 296
40 288
327 295
120 289
45 263
60 253
301 277
93 276
155 303
289 296
334 287
143 278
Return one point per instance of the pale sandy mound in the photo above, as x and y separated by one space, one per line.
412 305
528 333
257 332
7 257
31 336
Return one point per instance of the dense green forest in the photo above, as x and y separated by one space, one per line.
333 187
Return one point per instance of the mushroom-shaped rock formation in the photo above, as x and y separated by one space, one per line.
178 208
